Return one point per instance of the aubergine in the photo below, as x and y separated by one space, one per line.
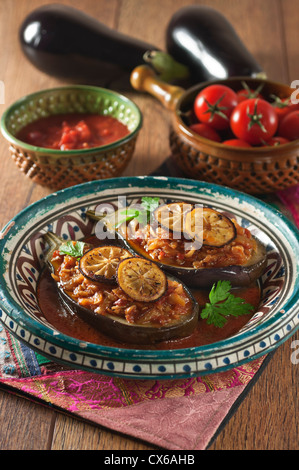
201 38
118 328
202 278
66 43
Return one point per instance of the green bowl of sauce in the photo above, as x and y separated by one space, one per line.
69 135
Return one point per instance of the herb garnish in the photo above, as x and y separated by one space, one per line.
142 213
71 249
223 303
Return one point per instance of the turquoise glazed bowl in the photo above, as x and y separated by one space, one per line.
64 213
59 169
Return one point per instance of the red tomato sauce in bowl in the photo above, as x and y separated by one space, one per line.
73 131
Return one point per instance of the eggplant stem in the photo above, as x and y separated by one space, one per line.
53 240
92 215
167 68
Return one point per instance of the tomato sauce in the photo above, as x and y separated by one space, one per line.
73 131
70 324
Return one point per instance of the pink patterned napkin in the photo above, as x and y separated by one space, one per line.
181 414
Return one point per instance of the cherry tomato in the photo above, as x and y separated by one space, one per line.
284 106
254 121
214 105
236 143
248 93
289 126
205 131
276 140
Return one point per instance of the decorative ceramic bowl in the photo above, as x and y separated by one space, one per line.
253 170
64 213
58 169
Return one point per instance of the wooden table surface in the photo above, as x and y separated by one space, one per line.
268 418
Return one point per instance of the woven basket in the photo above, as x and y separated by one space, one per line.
258 170
253 170
272 172
68 171
58 169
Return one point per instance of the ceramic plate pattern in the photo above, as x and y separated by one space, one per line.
64 212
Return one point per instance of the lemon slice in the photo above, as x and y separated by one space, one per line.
141 279
100 264
209 227
171 216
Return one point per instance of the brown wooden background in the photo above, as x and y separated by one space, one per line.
268 417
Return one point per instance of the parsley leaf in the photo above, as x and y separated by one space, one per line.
219 291
129 214
223 303
148 205
71 249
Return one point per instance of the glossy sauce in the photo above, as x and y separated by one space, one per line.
73 131
68 323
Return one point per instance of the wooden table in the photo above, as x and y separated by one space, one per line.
268 417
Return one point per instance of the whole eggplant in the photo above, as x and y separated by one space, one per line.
202 38
66 43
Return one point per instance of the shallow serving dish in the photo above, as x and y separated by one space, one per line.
64 213
59 169
256 170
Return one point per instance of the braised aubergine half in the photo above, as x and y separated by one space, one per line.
127 298
198 245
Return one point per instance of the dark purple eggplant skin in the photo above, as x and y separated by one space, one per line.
204 278
124 332
203 39
64 42
238 276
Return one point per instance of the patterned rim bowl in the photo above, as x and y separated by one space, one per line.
64 212
59 169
